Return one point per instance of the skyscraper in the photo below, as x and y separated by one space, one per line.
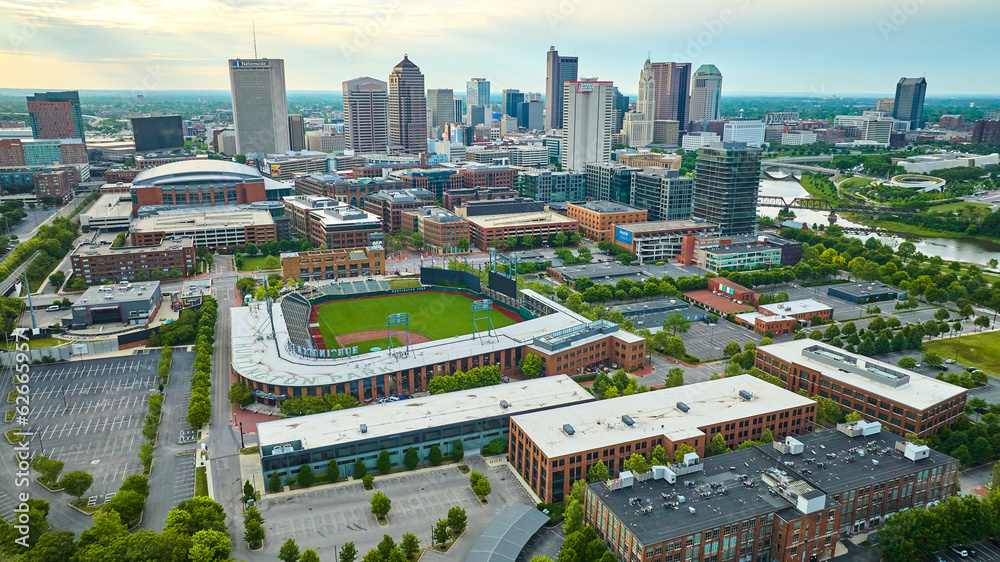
477 92
587 119
56 115
459 110
621 104
672 82
558 70
638 124
511 100
260 111
407 108
366 114
706 88
296 133
726 184
442 103
909 102
529 115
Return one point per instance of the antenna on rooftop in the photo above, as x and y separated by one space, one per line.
253 27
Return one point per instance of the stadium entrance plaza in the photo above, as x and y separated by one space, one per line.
325 517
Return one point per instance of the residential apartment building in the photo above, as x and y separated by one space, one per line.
664 192
488 231
549 187
331 223
389 205
726 185
443 231
610 182
587 118
57 185
439 182
598 218
345 190
461 196
333 263
100 263
901 400
56 115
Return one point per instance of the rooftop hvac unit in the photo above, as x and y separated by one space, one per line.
683 407
628 420
568 429
746 395
364 428
504 404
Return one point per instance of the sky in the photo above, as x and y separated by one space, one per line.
761 46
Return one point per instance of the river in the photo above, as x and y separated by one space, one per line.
970 250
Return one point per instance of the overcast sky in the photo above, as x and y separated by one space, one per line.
794 46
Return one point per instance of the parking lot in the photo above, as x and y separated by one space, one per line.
842 310
984 551
706 341
326 517
89 414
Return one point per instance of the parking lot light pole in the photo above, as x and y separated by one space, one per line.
242 444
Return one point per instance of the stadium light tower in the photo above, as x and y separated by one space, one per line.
482 310
399 319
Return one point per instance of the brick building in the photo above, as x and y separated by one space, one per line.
100 263
774 502
552 450
56 184
203 182
437 181
333 264
588 347
903 401
121 175
443 231
11 153
389 205
598 219
487 229
461 196
487 176
351 191
330 223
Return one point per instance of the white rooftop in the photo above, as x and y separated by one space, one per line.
752 317
255 356
918 392
599 424
791 308
394 418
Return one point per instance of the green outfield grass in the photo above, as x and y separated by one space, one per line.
974 350
403 283
435 315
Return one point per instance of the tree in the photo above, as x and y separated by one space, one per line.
717 446
253 532
907 363
57 279
637 464
482 488
457 519
349 552
440 533
658 457
457 450
332 471
274 482
853 417
289 551
240 394
573 516
381 504
677 324
532 365
981 322
384 463
766 436
966 312
409 544
48 468
417 240
681 451
827 411
385 547
54 546
76 483
942 314
197 514
597 472
368 480
411 459
360 469
305 477
732 348
931 358
128 504
309 555
434 456
463 244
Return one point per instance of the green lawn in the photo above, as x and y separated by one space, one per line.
951 207
40 342
435 315
254 263
404 283
974 350
851 183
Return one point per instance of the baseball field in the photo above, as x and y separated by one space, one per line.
433 316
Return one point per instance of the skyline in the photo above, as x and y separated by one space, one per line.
832 50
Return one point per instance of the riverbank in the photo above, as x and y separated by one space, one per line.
904 229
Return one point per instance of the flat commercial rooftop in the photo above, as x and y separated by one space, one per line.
666 226
114 295
863 289
517 219
604 270
708 298
918 392
791 308
394 418
219 216
599 424
257 357
168 243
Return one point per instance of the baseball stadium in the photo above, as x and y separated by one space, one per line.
375 338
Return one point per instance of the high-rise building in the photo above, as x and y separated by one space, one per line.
407 108
529 115
442 103
296 133
532 96
664 192
750 131
672 82
706 89
610 182
260 110
477 92
909 102
56 115
558 70
638 124
586 131
885 104
987 131
621 103
477 115
727 181
157 132
366 114
511 99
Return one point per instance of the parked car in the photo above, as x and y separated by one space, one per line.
53 308
970 369
960 551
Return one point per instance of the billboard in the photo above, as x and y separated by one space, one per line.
623 236
503 285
